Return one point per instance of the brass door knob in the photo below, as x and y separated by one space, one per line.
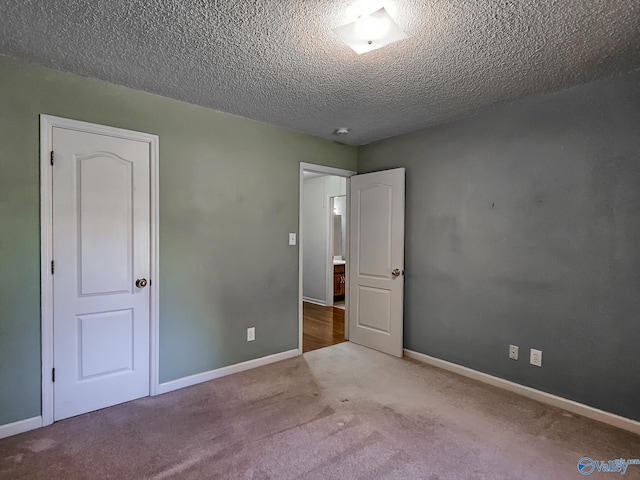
141 282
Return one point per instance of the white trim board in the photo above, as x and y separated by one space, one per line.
315 301
47 123
542 397
224 371
21 426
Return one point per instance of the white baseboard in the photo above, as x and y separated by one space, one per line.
20 427
315 301
224 371
543 397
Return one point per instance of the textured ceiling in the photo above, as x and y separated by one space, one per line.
278 60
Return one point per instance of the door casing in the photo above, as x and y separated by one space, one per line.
47 123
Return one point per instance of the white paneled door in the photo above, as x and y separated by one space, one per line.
377 260
101 250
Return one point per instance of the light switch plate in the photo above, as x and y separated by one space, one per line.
292 239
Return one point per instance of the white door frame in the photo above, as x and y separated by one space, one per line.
328 284
47 123
338 172
330 253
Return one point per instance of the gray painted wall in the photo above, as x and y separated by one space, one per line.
523 227
228 199
315 224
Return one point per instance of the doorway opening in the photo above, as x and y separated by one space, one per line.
324 259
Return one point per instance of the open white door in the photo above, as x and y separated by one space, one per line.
101 249
376 280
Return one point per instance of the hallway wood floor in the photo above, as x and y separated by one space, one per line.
322 326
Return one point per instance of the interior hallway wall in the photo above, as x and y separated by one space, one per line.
315 227
523 227
228 199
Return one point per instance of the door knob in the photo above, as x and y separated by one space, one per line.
396 272
141 282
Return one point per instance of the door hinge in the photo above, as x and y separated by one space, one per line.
53 374
53 267
51 157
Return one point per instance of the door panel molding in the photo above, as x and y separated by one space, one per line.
47 124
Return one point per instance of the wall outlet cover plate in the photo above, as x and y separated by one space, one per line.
513 352
536 357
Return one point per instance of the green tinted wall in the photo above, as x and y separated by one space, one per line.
228 199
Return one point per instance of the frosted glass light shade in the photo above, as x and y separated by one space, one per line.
370 32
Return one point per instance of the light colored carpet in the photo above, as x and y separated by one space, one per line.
341 412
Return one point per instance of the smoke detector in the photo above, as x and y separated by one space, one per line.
341 131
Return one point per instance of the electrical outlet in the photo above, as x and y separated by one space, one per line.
251 334
536 357
513 352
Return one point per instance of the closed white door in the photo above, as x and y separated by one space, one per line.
376 280
101 247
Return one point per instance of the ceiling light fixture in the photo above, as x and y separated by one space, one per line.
370 32
341 131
